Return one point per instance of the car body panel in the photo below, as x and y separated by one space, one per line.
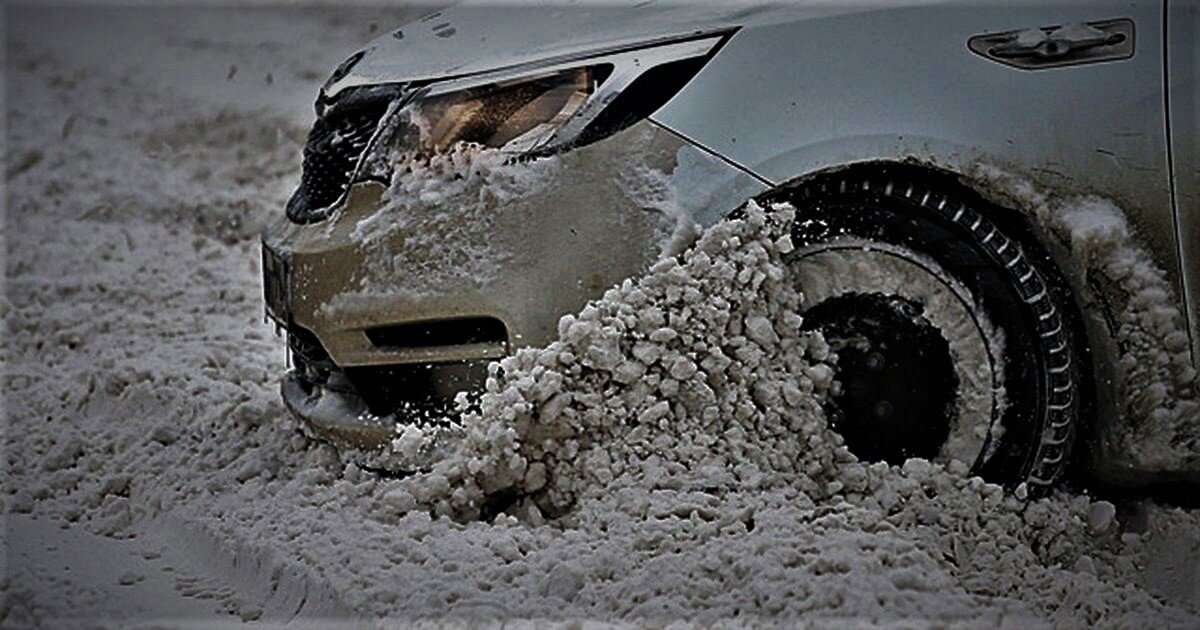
1105 135
1095 139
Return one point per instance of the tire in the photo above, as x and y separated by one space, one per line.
936 225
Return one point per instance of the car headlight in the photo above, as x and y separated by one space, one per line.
527 111
516 116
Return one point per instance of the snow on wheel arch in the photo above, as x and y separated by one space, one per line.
1154 388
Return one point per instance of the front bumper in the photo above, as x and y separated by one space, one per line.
343 419
338 417
466 266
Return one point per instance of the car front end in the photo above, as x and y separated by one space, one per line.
442 222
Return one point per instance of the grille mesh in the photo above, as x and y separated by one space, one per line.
333 148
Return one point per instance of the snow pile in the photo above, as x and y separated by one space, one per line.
697 373
717 482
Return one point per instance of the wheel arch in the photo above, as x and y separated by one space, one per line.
1090 320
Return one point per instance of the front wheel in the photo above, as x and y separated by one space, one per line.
953 342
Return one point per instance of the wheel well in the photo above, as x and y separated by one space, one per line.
1014 223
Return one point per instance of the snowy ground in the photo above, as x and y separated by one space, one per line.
152 477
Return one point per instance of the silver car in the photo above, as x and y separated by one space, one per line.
996 226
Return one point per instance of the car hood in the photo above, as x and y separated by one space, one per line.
468 39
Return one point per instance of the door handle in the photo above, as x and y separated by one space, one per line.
1072 38
1056 46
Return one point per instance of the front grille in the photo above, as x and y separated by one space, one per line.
332 151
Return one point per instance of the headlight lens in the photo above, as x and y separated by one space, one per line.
528 111
517 117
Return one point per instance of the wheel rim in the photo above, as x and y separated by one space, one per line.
898 385
944 390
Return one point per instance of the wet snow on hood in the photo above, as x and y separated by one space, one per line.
664 459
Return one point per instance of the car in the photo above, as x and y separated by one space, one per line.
997 227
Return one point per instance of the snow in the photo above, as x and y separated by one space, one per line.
1155 380
664 460
438 244
976 345
478 245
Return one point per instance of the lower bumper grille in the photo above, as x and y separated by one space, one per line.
432 334
422 390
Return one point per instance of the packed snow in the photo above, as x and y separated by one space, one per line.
664 460
1153 377
976 345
